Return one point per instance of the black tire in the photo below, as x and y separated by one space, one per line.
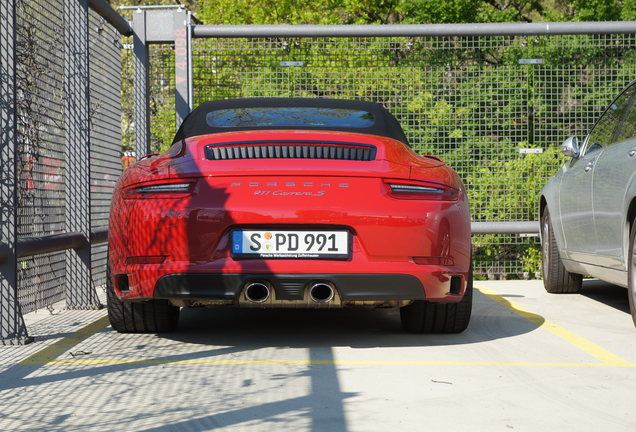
556 279
151 316
631 272
423 316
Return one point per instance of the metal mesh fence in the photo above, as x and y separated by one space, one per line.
40 126
41 138
495 108
106 120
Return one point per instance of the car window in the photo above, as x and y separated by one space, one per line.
289 117
627 127
605 129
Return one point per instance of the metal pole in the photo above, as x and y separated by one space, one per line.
182 64
140 82
80 292
26 247
414 30
190 78
531 227
155 7
103 8
12 327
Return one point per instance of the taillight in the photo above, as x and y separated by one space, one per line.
422 191
165 189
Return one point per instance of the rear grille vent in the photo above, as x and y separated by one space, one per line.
291 150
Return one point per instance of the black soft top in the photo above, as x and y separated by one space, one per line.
196 123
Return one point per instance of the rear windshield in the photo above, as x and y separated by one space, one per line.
289 117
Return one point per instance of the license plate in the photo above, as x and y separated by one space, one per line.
290 244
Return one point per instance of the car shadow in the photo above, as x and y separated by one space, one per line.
606 293
252 328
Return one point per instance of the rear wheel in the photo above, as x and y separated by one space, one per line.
423 316
151 316
556 279
631 262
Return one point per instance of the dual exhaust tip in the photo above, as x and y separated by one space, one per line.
319 292
257 292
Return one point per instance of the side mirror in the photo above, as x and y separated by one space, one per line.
570 147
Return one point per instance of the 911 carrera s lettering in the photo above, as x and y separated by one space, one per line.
288 193
284 193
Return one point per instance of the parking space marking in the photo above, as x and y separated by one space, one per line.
603 355
46 355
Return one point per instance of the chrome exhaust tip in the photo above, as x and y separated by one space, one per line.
321 292
257 292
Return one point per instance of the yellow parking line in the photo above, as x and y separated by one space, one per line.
46 355
151 362
603 355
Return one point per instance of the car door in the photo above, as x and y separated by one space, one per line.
575 207
575 198
615 166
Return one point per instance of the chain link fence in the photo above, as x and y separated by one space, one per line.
495 108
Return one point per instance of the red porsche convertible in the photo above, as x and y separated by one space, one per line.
278 203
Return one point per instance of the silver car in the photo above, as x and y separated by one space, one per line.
588 209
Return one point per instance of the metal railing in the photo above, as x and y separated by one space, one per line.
413 30
53 243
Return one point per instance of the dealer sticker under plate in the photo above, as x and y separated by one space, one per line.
290 244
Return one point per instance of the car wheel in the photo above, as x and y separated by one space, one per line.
151 316
556 279
423 316
631 284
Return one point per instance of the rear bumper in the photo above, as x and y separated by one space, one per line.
380 281
351 287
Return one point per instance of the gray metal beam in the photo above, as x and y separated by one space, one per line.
51 243
141 87
164 25
80 292
182 64
12 327
103 8
99 235
505 227
413 30
33 246
151 7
